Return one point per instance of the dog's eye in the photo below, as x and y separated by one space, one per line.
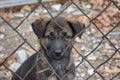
51 36
67 36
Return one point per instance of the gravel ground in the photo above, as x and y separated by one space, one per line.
9 40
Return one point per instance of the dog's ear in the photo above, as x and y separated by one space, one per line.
39 26
76 25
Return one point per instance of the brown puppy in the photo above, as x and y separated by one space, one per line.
54 37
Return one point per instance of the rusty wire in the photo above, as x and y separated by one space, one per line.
84 58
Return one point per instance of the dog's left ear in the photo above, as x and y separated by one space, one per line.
39 26
76 25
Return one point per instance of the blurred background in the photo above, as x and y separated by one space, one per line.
98 50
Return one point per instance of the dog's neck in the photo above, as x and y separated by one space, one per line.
60 66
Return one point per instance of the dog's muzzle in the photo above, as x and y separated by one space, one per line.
58 54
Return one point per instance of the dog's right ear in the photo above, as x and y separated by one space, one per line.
76 25
39 26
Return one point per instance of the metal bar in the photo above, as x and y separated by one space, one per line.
11 3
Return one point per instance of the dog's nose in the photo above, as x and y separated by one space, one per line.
58 52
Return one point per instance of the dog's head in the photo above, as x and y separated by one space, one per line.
56 35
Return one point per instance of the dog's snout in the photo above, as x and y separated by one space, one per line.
58 52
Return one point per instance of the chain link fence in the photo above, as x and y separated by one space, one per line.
101 62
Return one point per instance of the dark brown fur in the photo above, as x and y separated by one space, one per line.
54 37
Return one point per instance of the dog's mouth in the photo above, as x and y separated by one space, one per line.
58 56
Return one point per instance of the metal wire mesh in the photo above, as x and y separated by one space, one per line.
84 58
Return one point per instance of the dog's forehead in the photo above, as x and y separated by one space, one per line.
59 23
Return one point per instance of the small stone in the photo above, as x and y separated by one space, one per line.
94 41
22 33
70 9
82 74
117 46
38 10
90 71
83 47
1 48
88 6
44 11
92 57
77 75
95 45
110 51
2 36
56 7
88 32
19 15
80 59
86 64
36 14
107 46
77 39
1 56
77 13
93 30
2 74
76 63
14 67
30 28
22 55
